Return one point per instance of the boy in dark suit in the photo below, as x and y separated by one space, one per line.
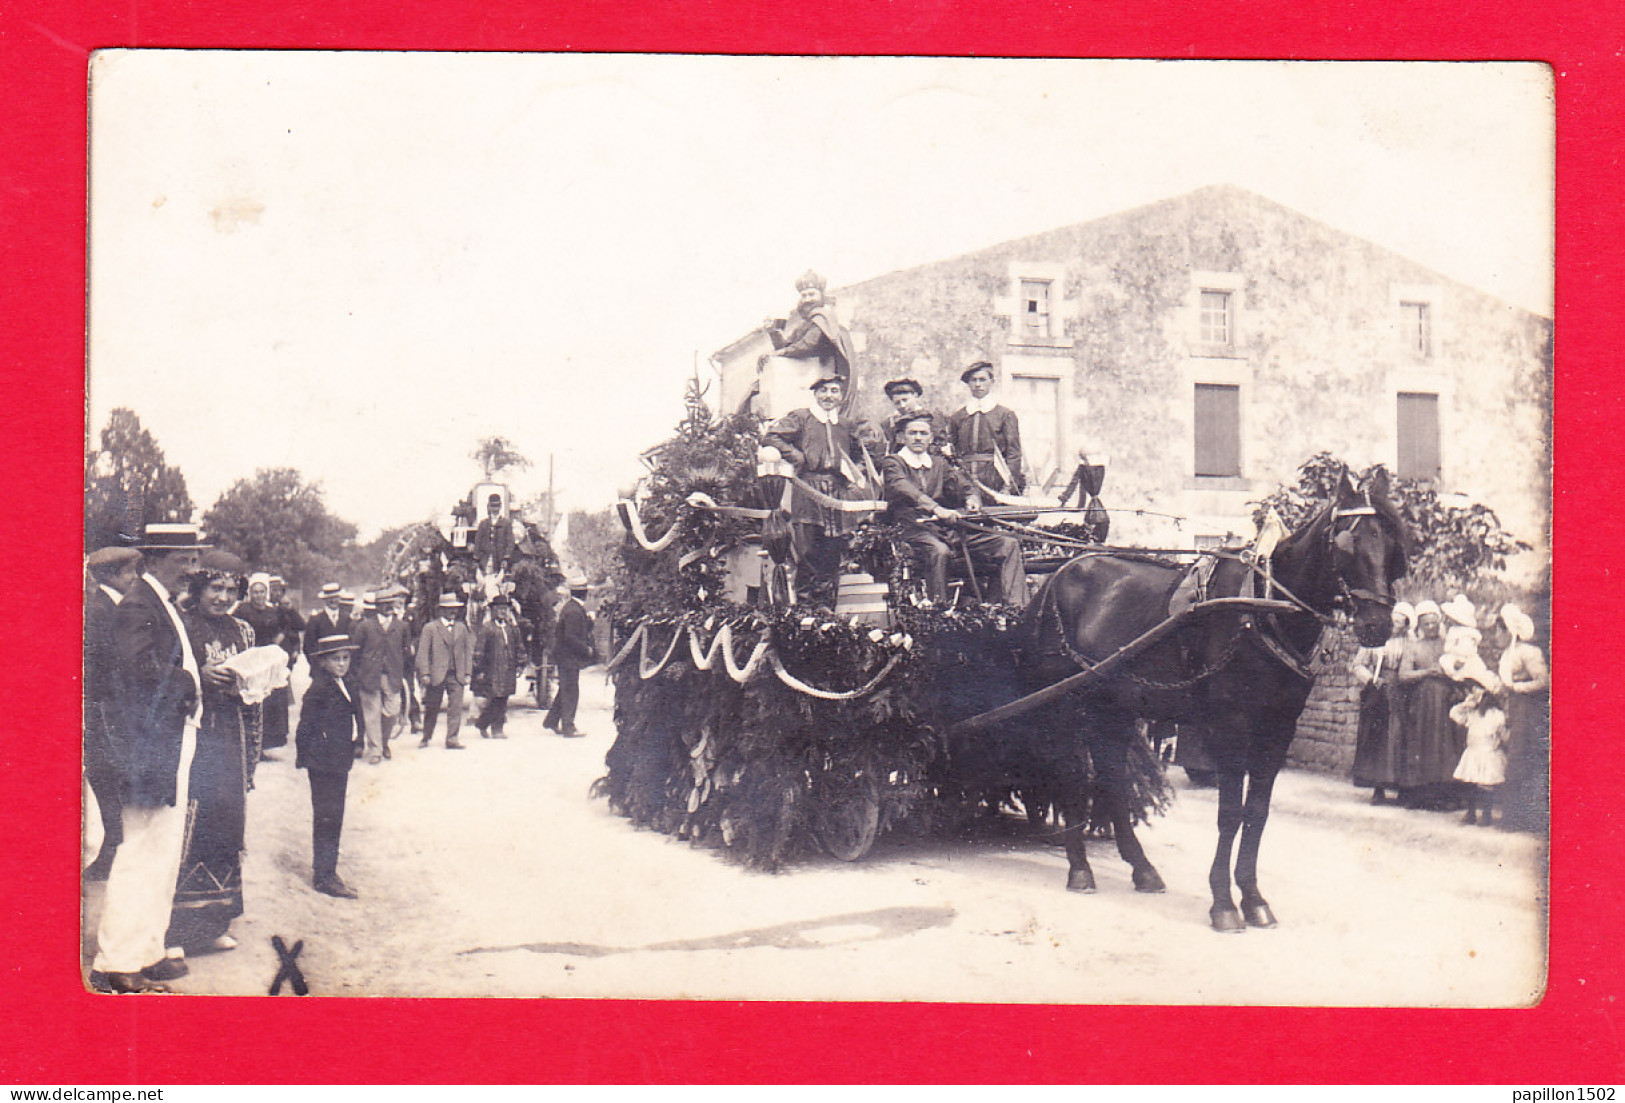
329 728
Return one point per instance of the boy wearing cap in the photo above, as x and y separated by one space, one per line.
157 690
329 728
445 663
986 437
114 571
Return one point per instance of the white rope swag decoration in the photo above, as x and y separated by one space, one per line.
705 659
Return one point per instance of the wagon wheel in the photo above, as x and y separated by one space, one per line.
848 816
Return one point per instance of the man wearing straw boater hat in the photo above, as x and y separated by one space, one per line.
113 571
329 730
381 664
445 663
330 619
157 692
985 436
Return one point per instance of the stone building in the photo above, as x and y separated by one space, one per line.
1203 347
1206 345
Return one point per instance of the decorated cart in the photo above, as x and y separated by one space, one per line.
753 720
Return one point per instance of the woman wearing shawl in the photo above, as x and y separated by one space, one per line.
268 621
1376 750
1526 684
209 894
1429 747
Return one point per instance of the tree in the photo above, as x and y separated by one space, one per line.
495 454
128 484
1457 545
595 542
276 521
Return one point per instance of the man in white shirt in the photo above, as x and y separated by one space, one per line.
158 704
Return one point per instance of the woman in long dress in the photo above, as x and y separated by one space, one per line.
1526 696
209 892
268 621
1430 744
1376 750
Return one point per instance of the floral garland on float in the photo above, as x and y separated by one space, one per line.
770 732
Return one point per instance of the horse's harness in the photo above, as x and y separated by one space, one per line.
1264 630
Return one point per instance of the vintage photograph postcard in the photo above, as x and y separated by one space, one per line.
818 528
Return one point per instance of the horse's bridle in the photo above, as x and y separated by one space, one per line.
1349 593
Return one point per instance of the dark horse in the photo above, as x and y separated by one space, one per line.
1242 672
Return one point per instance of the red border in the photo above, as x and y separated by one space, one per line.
59 1035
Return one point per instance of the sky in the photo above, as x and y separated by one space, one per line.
357 265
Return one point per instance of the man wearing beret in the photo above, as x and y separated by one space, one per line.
986 437
157 690
823 448
908 398
113 571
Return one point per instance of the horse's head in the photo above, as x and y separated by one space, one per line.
1368 546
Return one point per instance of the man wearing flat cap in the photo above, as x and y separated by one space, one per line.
157 689
908 398
113 571
985 436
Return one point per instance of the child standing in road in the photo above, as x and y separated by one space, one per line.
329 730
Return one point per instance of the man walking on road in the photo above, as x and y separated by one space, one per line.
158 694
572 649
445 663
114 571
381 665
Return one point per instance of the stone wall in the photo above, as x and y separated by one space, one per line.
1327 728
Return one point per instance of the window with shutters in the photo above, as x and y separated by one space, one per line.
1418 436
1218 430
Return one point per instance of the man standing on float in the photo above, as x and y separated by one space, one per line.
986 437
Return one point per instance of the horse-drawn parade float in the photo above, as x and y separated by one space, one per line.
768 703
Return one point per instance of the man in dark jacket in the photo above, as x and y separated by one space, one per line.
921 488
330 620
383 659
572 649
329 728
985 436
497 654
113 571
157 696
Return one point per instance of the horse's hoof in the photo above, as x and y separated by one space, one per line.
1258 915
1227 920
1148 880
1080 880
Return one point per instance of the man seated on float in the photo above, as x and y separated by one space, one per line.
921 488
986 437
824 450
908 398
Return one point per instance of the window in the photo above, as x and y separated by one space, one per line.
1418 436
1215 327
1416 328
1035 308
1218 429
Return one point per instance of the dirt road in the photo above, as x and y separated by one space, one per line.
491 872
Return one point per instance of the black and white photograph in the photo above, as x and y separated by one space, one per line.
683 527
